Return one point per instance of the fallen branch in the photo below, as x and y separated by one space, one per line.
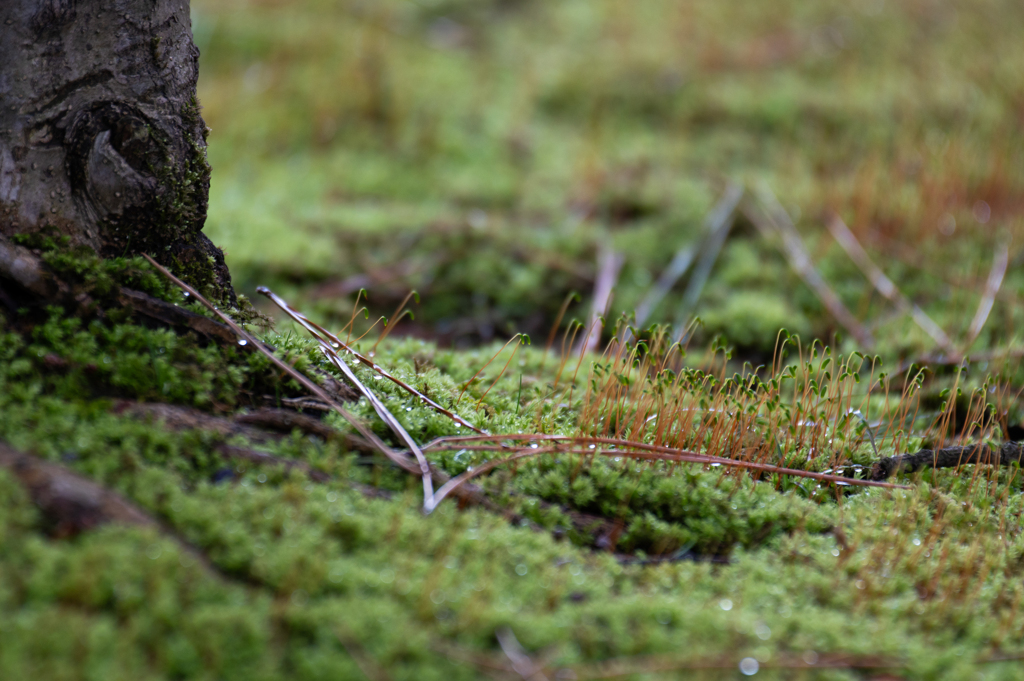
622 448
378 406
950 457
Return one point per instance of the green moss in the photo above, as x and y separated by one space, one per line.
311 574
581 126
752 319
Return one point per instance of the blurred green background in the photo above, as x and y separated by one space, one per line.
484 151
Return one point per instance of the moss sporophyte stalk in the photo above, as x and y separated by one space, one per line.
780 462
606 556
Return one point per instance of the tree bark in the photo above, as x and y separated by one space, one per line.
101 137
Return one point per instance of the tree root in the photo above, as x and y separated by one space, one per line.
20 265
72 504
285 420
950 457
173 315
261 426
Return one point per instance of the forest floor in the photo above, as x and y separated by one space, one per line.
709 509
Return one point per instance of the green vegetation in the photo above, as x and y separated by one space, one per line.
481 152
485 153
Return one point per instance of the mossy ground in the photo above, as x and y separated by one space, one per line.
316 580
483 152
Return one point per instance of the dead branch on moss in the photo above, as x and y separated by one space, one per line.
318 330
248 339
378 406
950 457
614 447
849 243
774 220
252 426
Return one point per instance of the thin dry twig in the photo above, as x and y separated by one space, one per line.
609 266
718 222
774 220
884 285
246 338
378 406
623 448
992 286
366 361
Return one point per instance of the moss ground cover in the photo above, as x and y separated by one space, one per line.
315 579
486 153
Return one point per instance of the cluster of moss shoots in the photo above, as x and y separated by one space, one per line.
620 557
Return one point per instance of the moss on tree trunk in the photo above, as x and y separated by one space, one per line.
101 137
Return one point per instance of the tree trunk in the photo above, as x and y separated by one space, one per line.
101 138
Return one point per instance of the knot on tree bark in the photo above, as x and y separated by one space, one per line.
101 137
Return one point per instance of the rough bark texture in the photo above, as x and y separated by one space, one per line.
950 457
101 138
